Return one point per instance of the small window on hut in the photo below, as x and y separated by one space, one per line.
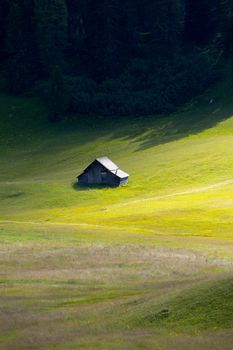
103 175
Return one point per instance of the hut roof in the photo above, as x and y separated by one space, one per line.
109 165
121 174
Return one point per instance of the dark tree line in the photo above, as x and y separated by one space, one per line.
113 57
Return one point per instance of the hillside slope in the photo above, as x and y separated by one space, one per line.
180 166
144 266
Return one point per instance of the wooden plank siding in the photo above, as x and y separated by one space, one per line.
98 174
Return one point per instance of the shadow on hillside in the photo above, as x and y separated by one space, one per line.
193 119
81 187
147 132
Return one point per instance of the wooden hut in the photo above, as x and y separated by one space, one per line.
102 171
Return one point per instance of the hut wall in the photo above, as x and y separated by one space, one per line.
94 173
112 179
97 174
124 181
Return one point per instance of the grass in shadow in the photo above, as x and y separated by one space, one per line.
82 187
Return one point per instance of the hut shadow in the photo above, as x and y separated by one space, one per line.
82 187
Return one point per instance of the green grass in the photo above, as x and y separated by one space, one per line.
185 152
92 268
208 307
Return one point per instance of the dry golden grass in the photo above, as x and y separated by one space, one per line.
58 293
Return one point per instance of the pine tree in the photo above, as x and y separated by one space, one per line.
4 7
159 27
76 32
198 18
20 47
226 24
106 37
51 21
56 97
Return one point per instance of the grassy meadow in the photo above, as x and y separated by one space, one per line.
145 266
